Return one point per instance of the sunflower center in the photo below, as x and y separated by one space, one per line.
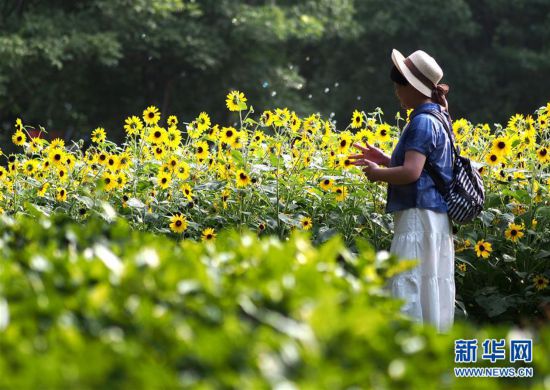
229 134
343 143
242 176
501 145
482 248
327 181
514 232
383 133
199 150
178 223
493 157
543 152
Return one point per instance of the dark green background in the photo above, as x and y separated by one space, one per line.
74 65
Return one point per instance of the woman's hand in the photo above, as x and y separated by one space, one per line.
371 153
371 169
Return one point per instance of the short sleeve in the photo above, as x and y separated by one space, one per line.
421 136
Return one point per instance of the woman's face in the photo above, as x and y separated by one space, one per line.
404 94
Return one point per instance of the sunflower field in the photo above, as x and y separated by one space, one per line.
265 177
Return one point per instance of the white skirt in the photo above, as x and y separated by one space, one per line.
429 288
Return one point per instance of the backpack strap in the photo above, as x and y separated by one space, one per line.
438 181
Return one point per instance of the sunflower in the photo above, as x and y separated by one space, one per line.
201 150
306 223
56 156
182 170
241 139
462 267
282 116
3 173
267 118
344 142
383 133
213 133
62 174
112 162
312 124
236 101
99 135
124 160
346 163
326 184
515 122
501 146
173 137
341 193
540 282
493 159
242 178
109 181
193 130
357 119
295 122
542 154
203 121
151 115
208 234
30 167
187 191
172 121
102 158
42 190
258 137
163 180
542 121
528 138
61 194
133 125
157 135
19 138
514 232
228 135
483 249
159 152
36 145
121 179
18 124
178 223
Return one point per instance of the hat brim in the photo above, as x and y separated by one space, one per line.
399 61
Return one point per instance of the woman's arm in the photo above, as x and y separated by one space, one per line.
407 173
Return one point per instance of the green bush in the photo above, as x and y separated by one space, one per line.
103 306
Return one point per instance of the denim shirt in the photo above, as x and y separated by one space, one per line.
426 135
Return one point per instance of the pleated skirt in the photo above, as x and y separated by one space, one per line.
429 289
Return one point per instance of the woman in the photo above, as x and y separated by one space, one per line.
422 228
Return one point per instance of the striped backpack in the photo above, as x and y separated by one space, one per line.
465 194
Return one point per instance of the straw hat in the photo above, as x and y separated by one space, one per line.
420 70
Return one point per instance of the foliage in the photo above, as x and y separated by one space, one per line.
104 305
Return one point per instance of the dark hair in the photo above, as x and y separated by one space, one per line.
397 77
